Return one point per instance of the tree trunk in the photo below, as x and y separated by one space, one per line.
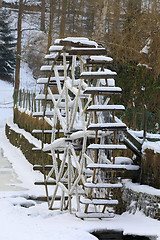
18 53
100 19
59 10
43 15
63 18
116 18
0 3
50 24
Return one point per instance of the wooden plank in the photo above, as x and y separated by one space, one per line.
98 201
52 83
40 167
50 182
108 126
44 198
113 167
52 80
48 151
87 51
68 43
53 182
107 146
38 131
105 108
75 41
94 215
98 75
52 57
94 63
45 80
55 48
49 67
99 60
103 185
40 114
103 90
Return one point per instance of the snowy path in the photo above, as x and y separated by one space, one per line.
8 177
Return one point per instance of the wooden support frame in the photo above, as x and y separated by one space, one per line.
81 113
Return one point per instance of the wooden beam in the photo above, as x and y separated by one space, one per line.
103 90
87 51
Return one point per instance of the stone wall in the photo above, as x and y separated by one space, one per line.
145 202
18 140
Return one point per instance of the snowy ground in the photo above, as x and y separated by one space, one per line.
30 219
26 219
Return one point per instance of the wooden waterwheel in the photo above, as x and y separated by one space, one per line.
79 89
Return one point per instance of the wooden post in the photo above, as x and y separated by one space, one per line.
20 98
39 106
15 97
66 90
63 19
144 122
18 53
24 98
50 26
35 105
42 15
29 100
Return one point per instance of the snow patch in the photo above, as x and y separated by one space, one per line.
155 146
142 188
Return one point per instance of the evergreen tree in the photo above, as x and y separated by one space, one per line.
7 46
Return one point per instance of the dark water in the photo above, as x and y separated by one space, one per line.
130 237
118 235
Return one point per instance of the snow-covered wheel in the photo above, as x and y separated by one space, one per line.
79 88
